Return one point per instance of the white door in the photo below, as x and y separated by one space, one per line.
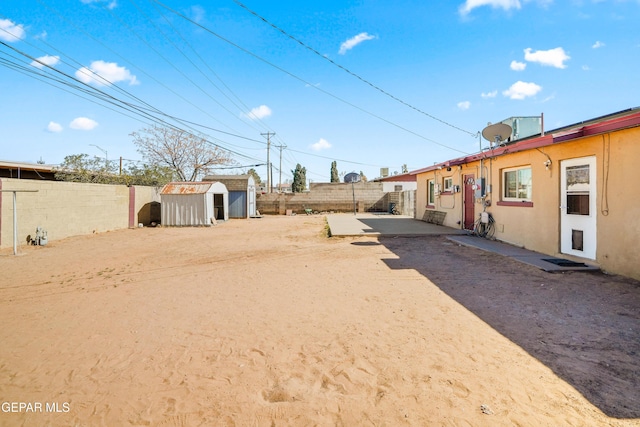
252 201
578 207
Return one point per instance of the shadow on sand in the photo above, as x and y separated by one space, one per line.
583 326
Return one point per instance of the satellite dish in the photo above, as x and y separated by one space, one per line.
352 177
497 132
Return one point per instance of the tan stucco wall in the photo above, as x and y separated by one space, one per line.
66 209
538 227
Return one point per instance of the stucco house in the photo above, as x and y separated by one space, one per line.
569 193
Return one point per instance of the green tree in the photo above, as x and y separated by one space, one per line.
404 168
83 168
189 156
152 176
363 177
255 176
299 179
334 172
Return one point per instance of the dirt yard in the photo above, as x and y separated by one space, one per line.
267 322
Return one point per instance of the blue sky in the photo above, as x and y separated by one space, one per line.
369 84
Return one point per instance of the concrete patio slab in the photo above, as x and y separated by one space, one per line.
366 224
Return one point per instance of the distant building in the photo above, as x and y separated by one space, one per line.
24 170
400 182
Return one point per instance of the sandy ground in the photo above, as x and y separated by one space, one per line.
266 322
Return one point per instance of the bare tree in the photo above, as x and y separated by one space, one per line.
189 155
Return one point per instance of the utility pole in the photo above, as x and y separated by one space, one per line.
268 135
280 175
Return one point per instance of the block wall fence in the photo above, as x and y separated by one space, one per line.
337 197
67 209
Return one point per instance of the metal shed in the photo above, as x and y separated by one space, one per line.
242 194
194 203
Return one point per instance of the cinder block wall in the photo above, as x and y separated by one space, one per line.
337 197
66 209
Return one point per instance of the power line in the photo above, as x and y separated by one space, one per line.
181 15
77 85
362 79
206 64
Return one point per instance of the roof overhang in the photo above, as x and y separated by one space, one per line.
571 133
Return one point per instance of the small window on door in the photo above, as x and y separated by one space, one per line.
578 190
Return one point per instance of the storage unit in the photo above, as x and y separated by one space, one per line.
242 194
194 203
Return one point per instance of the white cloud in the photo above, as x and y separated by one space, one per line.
464 105
354 41
54 127
469 5
83 123
10 32
552 57
103 73
598 44
489 94
522 90
259 112
517 66
322 144
45 60
585 68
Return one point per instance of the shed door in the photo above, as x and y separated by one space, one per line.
578 207
252 201
237 204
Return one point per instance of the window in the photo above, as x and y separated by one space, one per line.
431 192
578 190
447 185
516 184
397 187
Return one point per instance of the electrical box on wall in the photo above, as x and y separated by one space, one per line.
478 187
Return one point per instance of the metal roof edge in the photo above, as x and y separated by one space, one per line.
617 121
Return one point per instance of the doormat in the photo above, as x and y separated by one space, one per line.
564 262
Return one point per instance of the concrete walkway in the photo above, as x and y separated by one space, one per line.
536 259
365 224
